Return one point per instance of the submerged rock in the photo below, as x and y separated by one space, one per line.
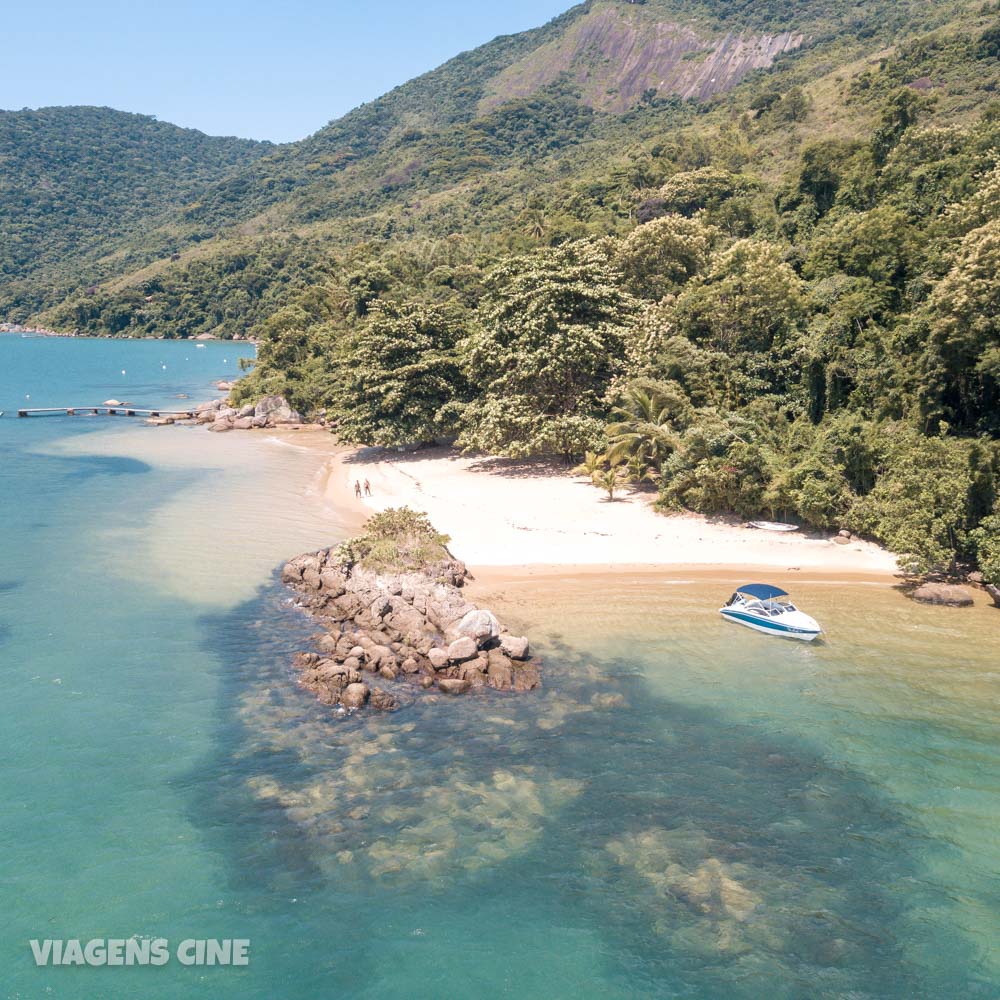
947 594
454 685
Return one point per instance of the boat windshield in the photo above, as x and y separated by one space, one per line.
769 609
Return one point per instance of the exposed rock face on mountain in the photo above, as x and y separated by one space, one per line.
414 628
615 59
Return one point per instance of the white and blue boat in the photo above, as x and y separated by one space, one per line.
767 609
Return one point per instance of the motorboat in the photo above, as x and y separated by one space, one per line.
767 609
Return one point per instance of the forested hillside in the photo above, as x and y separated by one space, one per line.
778 296
75 181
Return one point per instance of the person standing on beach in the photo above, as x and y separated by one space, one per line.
357 489
368 488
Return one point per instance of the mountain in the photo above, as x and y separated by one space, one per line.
517 114
77 180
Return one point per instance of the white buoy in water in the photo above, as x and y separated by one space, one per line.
123 371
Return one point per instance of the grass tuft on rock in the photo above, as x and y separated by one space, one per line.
397 540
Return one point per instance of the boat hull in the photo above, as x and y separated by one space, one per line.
770 627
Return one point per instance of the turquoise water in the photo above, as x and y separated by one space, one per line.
684 811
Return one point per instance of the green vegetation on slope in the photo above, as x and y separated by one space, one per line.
779 301
75 180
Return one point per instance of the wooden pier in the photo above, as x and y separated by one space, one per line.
104 411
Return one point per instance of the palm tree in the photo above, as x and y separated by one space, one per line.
592 464
644 428
536 225
611 479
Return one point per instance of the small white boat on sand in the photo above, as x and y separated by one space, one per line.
765 609
773 526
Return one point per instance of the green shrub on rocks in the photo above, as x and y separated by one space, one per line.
396 540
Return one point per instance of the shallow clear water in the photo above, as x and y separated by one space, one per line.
687 809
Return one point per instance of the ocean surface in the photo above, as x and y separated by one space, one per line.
686 810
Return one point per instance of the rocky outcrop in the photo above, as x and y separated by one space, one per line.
948 594
615 55
413 631
217 415
994 593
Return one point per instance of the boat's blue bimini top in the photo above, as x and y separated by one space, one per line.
762 591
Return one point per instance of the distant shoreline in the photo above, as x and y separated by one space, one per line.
15 329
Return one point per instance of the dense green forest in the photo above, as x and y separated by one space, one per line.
75 180
778 299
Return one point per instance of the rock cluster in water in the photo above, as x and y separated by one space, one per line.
218 415
412 628
271 411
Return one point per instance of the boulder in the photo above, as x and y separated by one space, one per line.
243 423
994 593
943 593
382 701
526 677
381 657
292 572
222 424
410 666
260 421
500 675
462 649
472 670
516 647
380 607
355 695
327 644
454 685
332 583
275 410
248 411
480 625
403 618
438 658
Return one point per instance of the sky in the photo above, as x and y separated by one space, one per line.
253 69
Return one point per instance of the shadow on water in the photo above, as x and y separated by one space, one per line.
706 857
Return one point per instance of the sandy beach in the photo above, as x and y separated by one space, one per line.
502 513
